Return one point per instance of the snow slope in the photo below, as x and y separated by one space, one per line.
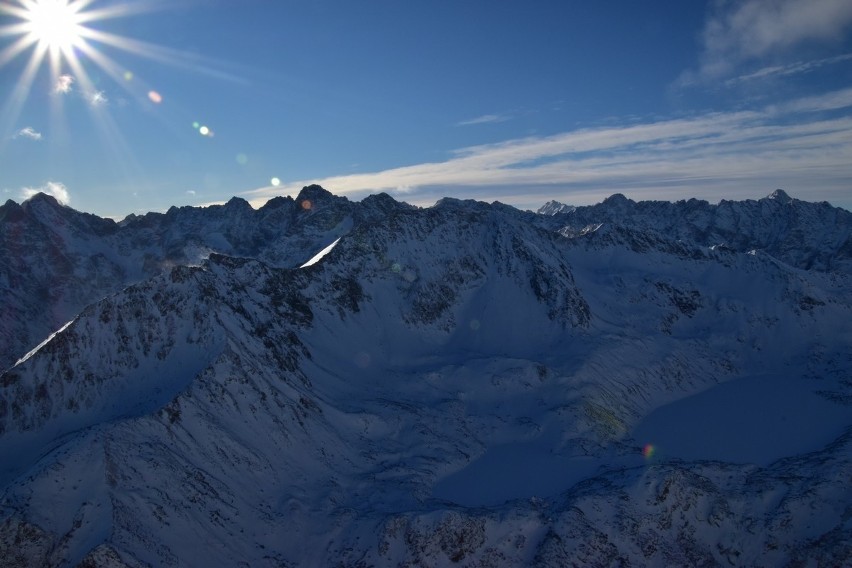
458 385
55 261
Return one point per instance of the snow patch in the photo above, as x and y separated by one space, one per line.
42 344
316 258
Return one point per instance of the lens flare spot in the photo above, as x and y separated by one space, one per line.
648 451
306 204
128 76
242 159
275 182
475 325
155 97
196 125
204 131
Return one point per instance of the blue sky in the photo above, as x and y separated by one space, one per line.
515 101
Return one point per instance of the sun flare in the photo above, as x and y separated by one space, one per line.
63 48
58 34
54 24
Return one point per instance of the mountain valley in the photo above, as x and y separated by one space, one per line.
630 383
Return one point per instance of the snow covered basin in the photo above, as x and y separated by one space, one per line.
520 471
756 419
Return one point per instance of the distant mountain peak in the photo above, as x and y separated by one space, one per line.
780 196
617 198
237 203
11 211
42 197
455 202
276 202
554 207
382 202
314 194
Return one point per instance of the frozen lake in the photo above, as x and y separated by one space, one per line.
756 419
520 470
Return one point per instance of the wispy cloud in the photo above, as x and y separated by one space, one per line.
97 98
28 132
751 30
54 188
485 119
63 85
789 69
713 155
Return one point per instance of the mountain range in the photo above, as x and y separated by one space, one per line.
328 382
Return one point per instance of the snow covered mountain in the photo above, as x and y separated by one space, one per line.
554 208
465 385
812 236
54 261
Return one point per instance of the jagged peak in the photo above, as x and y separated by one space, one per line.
617 199
237 203
381 201
11 205
11 211
276 203
554 207
780 196
42 197
314 194
506 208
455 203
49 211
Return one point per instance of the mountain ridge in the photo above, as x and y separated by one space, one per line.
811 236
460 384
45 242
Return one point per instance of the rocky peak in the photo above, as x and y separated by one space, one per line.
452 203
237 203
313 195
41 197
617 200
383 204
11 212
277 203
45 208
554 208
780 196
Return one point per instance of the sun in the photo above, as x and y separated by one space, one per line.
53 27
54 24
63 34
60 35
68 39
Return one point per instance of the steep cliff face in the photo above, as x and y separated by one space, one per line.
463 384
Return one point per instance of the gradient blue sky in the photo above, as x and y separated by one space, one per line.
516 101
